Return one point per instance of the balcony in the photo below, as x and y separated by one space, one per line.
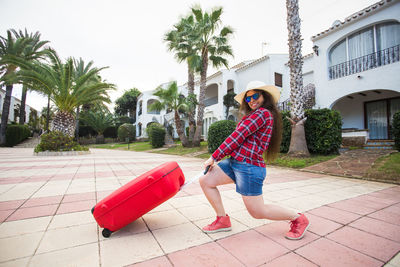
371 61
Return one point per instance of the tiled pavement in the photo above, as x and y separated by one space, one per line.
45 217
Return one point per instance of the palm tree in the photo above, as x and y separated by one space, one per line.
99 121
212 48
22 49
66 90
182 41
171 99
34 47
298 143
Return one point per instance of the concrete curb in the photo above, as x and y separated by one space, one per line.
61 153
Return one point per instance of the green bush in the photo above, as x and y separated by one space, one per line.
218 132
111 132
156 133
58 141
323 129
15 134
396 130
286 133
127 130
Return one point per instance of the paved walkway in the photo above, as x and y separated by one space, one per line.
45 217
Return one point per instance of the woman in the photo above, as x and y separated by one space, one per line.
258 133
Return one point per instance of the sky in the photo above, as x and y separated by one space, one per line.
127 35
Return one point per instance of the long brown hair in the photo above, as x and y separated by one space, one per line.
274 146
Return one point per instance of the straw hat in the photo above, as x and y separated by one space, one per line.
257 85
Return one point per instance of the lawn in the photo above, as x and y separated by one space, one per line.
386 168
297 163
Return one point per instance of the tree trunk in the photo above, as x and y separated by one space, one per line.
23 105
64 122
5 113
77 124
192 121
298 144
179 130
202 96
48 114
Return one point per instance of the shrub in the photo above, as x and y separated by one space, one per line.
111 132
218 132
286 133
396 130
58 141
15 134
126 130
156 133
85 131
323 131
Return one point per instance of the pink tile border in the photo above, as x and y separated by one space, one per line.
33 212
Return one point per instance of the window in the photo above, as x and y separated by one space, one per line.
366 49
278 79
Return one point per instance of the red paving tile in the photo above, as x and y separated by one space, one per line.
4 214
352 206
336 215
41 201
289 260
321 226
79 197
378 227
258 248
210 254
12 180
327 253
372 245
157 262
385 194
277 230
11 205
76 206
33 212
387 216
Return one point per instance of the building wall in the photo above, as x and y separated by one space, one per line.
328 91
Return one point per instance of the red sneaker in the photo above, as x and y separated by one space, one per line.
221 224
298 228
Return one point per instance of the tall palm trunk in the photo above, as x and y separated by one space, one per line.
48 114
298 143
202 96
179 129
192 122
64 122
23 104
77 123
5 113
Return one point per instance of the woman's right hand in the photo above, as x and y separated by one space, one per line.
210 162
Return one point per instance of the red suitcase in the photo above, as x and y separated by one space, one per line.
138 197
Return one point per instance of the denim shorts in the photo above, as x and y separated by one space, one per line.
247 177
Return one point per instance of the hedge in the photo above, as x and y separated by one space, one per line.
323 130
156 133
218 132
15 134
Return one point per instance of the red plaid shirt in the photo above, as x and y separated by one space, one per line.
249 140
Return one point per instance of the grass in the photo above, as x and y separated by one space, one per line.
297 163
180 150
137 146
386 168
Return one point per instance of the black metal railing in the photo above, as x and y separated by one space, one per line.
367 62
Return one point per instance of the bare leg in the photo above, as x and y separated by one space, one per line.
257 209
209 183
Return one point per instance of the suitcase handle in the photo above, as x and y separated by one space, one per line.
150 179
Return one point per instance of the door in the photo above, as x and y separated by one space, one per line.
377 119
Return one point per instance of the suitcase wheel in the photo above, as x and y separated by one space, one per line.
92 210
106 233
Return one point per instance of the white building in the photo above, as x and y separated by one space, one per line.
355 68
13 105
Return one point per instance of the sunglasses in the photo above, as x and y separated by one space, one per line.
254 96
